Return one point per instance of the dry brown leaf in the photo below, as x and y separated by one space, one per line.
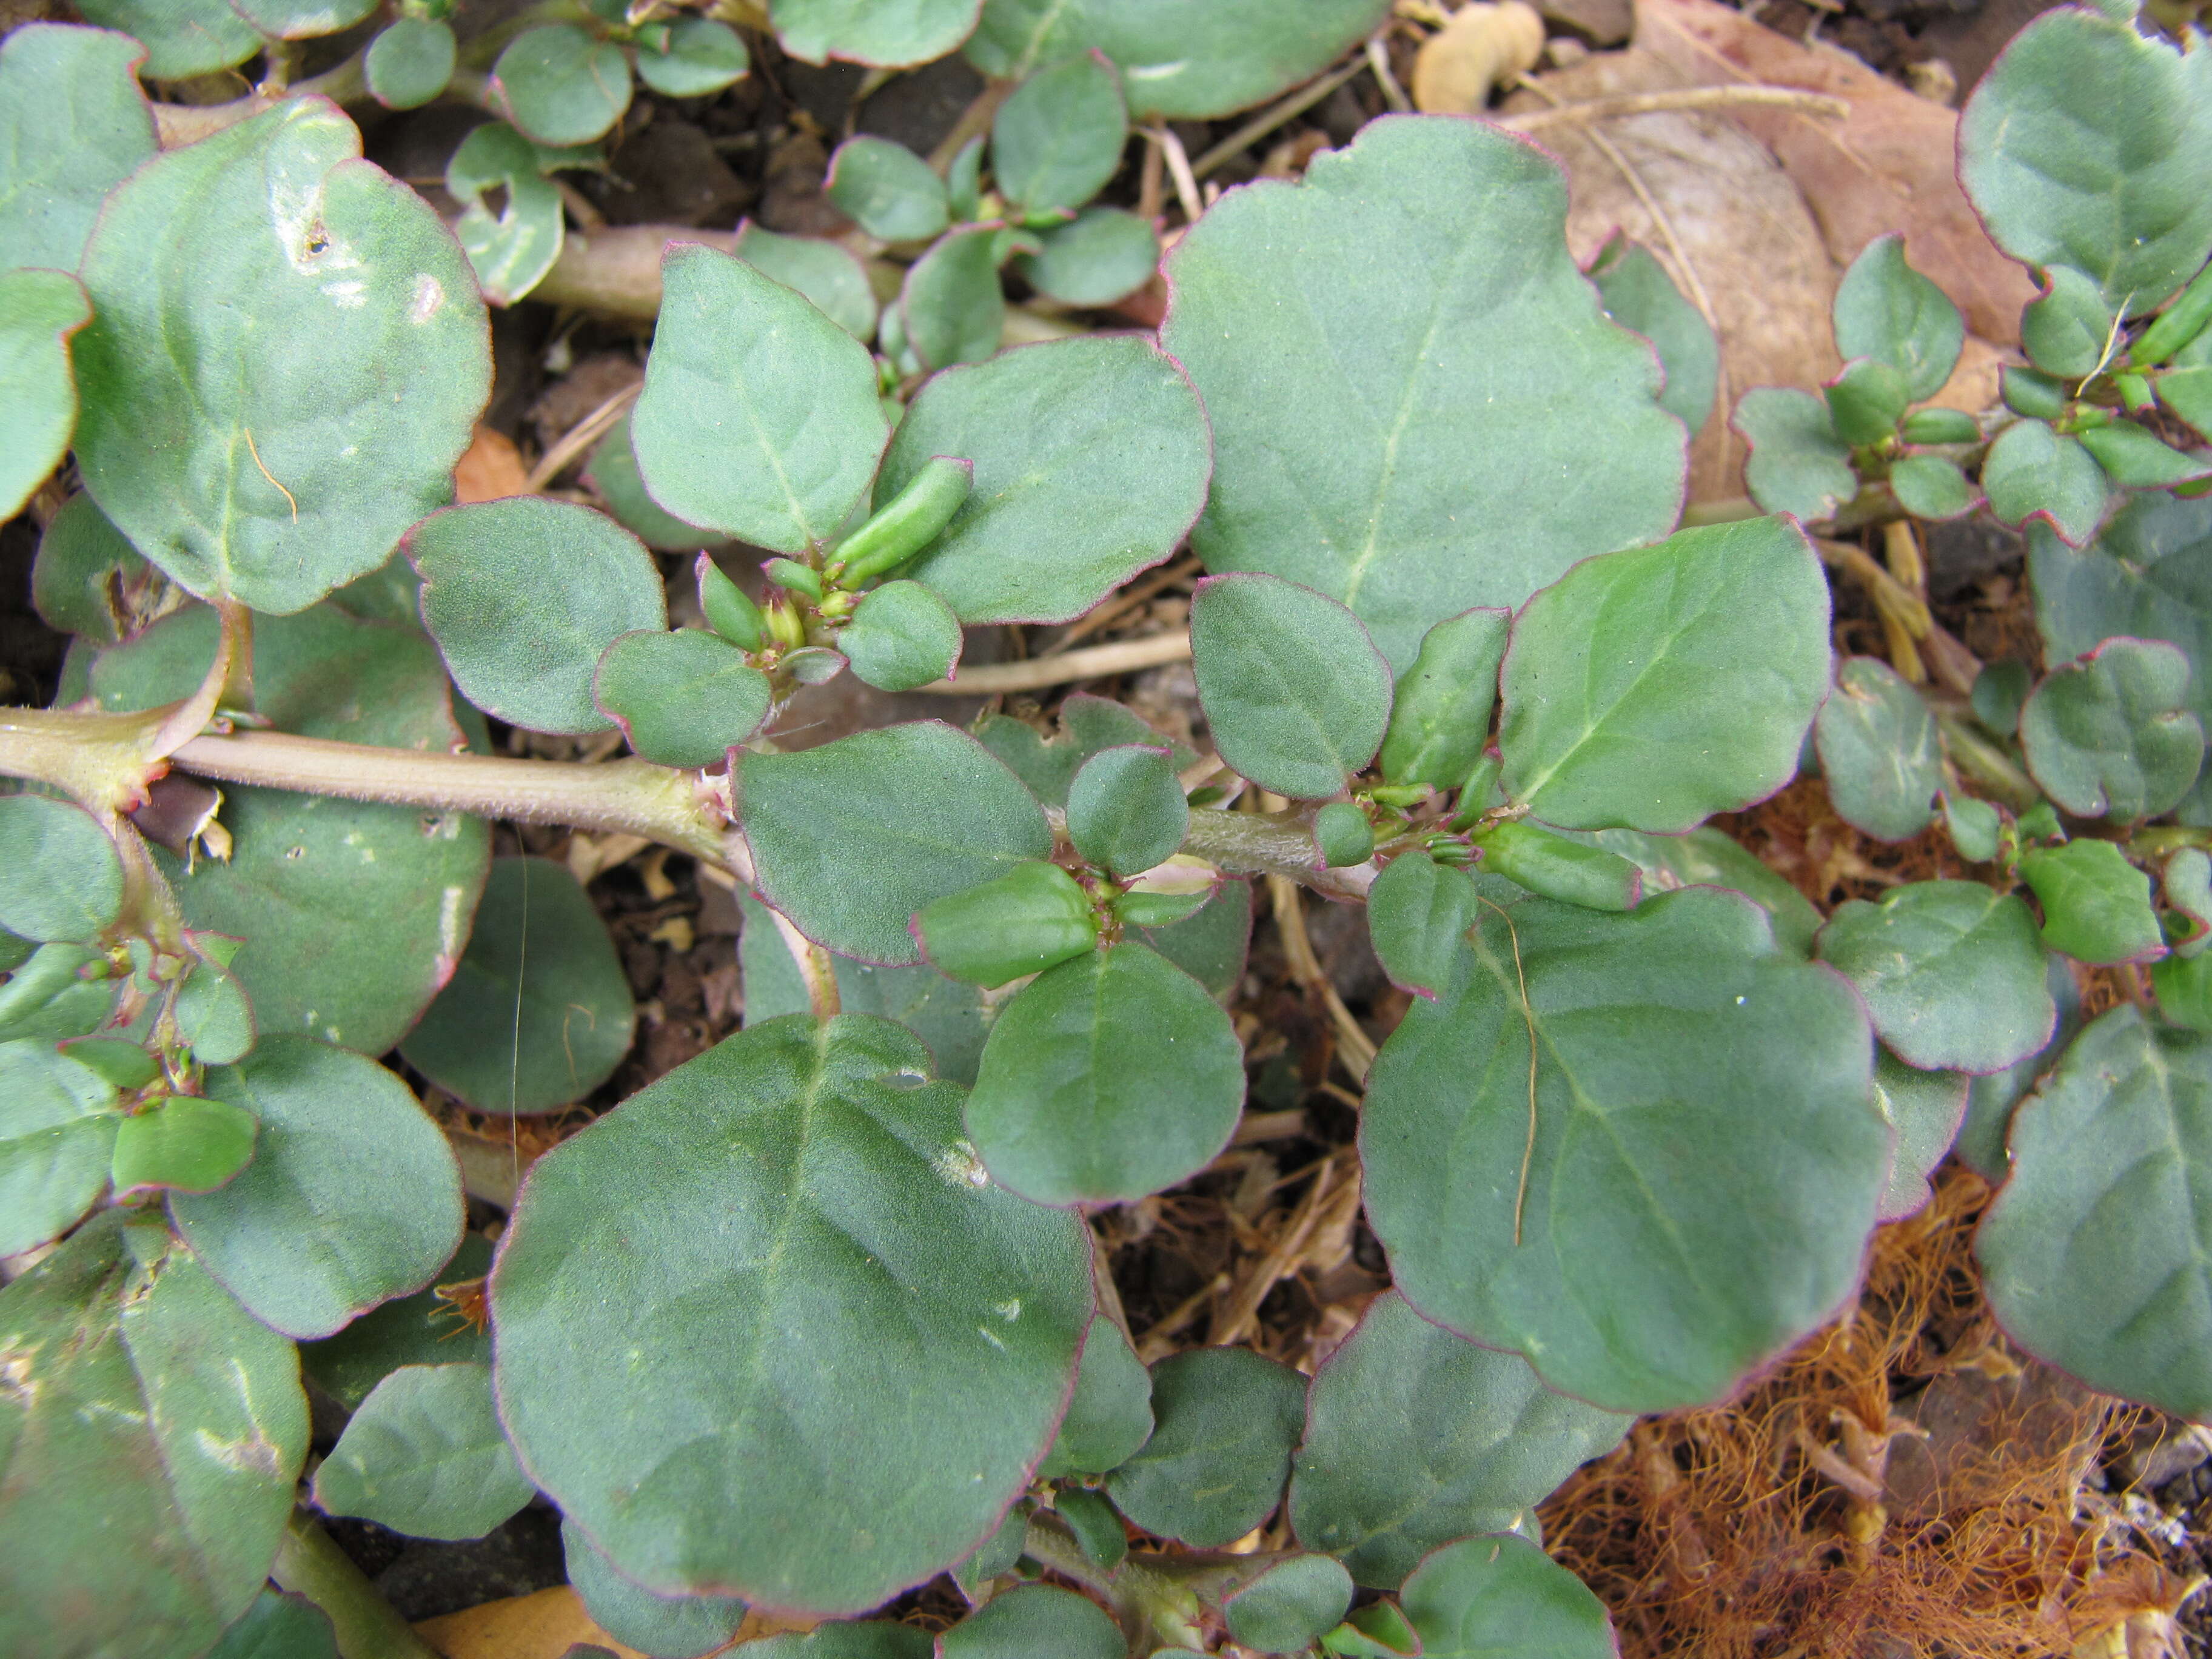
1483 48
544 1626
1888 166
490 468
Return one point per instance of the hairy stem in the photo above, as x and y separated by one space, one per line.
308 1564
1271 844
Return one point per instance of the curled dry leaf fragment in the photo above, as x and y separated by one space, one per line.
1484 46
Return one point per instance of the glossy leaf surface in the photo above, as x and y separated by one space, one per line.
1031 919
187 1144
1227 1422
73 126
1879 755
2111 735
849 1348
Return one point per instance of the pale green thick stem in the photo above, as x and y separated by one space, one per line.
308 1564
1270 844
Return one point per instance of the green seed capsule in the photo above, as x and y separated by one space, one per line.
2178 325
1940 426
798 578
1341 832
909 523
1552 866
1024 922
728 611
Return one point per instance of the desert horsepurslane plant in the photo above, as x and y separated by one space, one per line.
813 1318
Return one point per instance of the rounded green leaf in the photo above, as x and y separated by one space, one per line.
1342 836
302 20
2088 145
183 38
1931 486
1391 430
1102 255
538 1013
215 1017
2096 905
1951 971
1927 1109
613 472
60 877
1880 754
815 818
184 1145
279 1627
902 636
1088 725
1797 464
759 417
73 126
1417 911
511 250
1502 1597
1031 919
683 699
424 1455
345 1160
824 272
1653 688
1707 1156
150 1468
523 596
1214 1468
699 56
1091 461
1887 311
2033 473
2094 1252
1108 1077
1110 1417
848 1349
1126 810
40 310
1440 711
951 306
2110 735
2067 329
1030 1621
1415 1437
665 1626
57 1135
86 576
1295 692
1290 1604
1866 402
287 357
410 61
560 86
1057 140
887 190
1638 295
1190 62
884 34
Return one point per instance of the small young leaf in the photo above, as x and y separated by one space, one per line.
683 699
1940 426
759 417
898 34
1440 712
2096 905
538 1012
1639 295
1110 1077
1110 1416
1797 462
1552 866
1058 139
700 56
1290 1604
1867 401
1091 461
1880 754
410 61
2000 689
1343 836
1417 911
510 251
1415 1437
1927 1109
951 305
902 636
2068 329
215 1017
346 1156
279 1627
824 272
60 877
2031 393
560 86
1651 688
1931 487
1887 311
1033 1619
523 596
185 1145
1144 909
422 1329
817 819
955 1329
1973 826
1490 1596
40 310
73 126
1102 255
1214 1468
56 1137
2031 472
1951 973
665 1626
2094 1251
887 190
1031 919
425 1455
2110 735
1126 812
1296 693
